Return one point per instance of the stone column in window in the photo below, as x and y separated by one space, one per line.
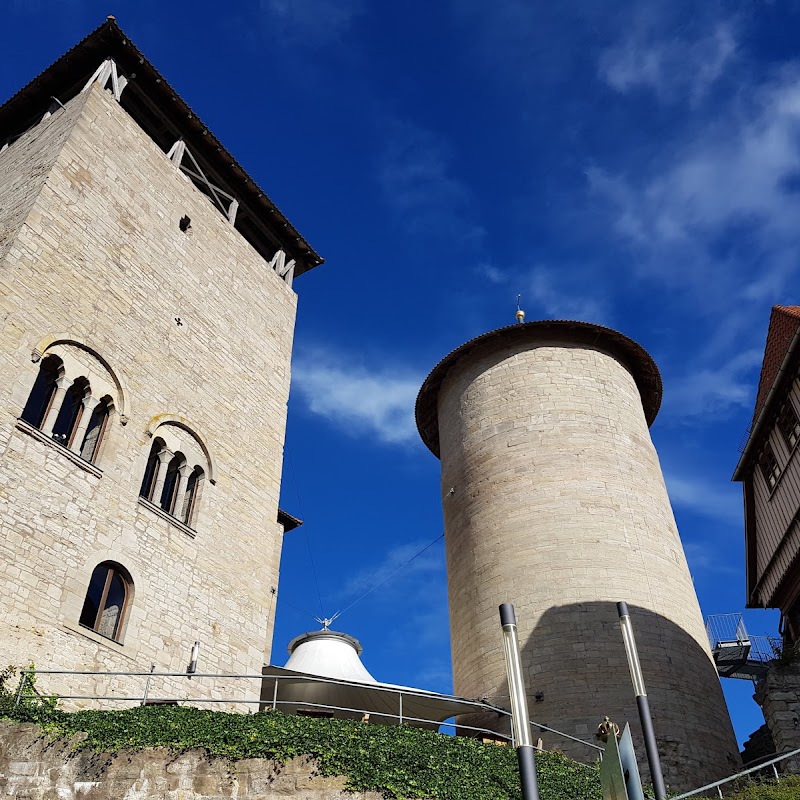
62 384
89 405
164 457
180 495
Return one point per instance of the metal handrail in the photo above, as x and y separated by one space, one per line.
718 784
274 702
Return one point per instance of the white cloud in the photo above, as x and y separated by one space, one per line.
708 557
717 390
361 402
416 176
492 274
670 66
313 21
555 300
737 176
394 563
548 293
718 502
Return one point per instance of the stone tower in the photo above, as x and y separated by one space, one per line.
147 326
554 500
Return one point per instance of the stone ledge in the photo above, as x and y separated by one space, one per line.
104 641
159 512
35 433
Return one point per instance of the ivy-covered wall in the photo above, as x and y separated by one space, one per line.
190 754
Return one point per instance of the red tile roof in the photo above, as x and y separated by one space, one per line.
783 325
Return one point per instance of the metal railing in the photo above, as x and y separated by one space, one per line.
765 648
729 629
726 628
719 784
737 653
27 691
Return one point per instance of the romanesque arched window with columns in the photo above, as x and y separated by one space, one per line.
174 473
71 401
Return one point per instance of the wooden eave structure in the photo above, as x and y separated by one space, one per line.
288 521
166 118
629 353
778 367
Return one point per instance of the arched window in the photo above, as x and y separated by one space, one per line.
175 472
171 481
193 486
107 600
95 429
151 470
63 406
66 423
44 388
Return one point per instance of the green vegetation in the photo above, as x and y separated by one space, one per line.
787 789
398 761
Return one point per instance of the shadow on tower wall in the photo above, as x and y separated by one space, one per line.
575 660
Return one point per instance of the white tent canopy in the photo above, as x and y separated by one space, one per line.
324 669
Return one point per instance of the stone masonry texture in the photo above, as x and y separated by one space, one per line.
33 768
554 501
93 261
778 693
24 170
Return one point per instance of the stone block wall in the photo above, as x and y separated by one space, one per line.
99 263
35 769
778 694
554 500
24 166
759 746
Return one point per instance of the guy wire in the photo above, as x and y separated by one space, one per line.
390 575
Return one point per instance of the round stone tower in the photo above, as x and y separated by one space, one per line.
554 500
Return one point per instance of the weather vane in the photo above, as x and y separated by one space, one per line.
326 622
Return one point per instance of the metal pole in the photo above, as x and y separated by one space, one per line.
400 695
147 684
192 668
275 695
650 745
23 679
775 773
520 723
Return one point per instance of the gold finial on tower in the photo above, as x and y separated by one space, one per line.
520 315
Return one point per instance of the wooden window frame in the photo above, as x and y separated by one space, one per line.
81 383
169 508
768 464
58 370
789 424
100 434
112 570
194 496
148 493
76 424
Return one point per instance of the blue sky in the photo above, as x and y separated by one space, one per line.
633 164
